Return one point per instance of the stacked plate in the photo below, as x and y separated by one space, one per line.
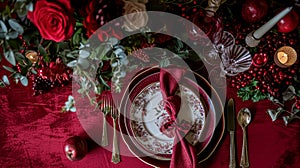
143 114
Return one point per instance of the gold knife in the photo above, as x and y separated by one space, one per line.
231 130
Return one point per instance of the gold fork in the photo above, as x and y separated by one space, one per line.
105 110
115 150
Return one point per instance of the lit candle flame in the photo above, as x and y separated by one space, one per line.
282 57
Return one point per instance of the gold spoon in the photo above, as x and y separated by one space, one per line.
244 118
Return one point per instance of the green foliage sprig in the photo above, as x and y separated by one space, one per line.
250 92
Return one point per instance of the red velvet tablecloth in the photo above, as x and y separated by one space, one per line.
33 131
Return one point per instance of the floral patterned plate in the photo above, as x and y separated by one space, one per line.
147 115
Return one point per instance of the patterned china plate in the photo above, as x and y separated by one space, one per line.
147 115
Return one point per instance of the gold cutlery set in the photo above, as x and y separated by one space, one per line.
108 107
243 118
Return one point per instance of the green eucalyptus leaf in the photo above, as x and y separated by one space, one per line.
42 50
70 98
84 54
68 104
24 80
289 93
2 35
33 71
114 41
30 33
102 50
16 26
9 69
72 64
53 48
10 57
20 8
5 80
15 44
17 75
22 12
83 63
12 35
274 113
3 27
29 7
63 45
70 55
73 109
19 56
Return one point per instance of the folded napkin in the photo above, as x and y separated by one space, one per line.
184 154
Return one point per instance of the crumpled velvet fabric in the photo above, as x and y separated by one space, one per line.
32 132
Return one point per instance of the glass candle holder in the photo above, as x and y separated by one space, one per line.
211 27
285 56
235 59
259 59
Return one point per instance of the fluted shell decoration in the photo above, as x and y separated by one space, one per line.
226 41
235 59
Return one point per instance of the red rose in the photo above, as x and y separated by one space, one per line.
54 19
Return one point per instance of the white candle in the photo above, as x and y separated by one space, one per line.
267 26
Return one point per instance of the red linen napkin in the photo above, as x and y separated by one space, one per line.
184 154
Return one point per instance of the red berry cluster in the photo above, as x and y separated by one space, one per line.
271 78
240 30
186 9
41 85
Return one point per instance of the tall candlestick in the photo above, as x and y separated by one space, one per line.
267 26
253 38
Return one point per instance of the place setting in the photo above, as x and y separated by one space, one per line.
140 83
144 121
